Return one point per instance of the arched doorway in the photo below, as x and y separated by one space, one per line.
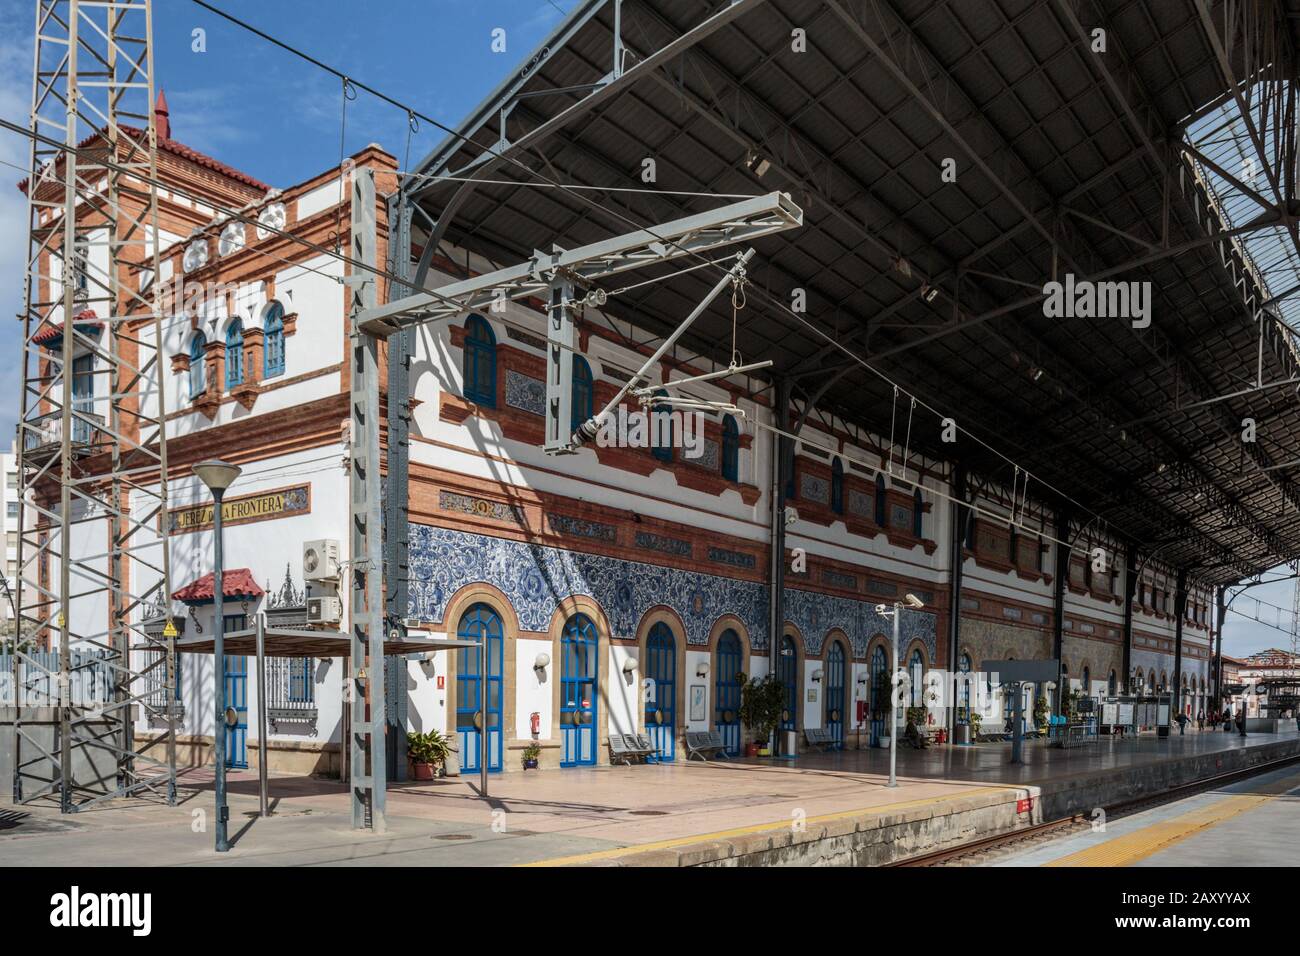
661 691
880 687
787 671
479 623
727 664
579 683
963 689
835 692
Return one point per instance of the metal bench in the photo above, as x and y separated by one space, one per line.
703 744
620 752
648 750
820 738
715 740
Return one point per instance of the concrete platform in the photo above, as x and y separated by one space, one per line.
827 809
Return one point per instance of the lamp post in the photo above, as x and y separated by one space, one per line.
915 603
218 476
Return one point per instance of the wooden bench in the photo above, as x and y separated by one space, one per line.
705 744
820 738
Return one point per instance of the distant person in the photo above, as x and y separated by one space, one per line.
1183 721
1200 720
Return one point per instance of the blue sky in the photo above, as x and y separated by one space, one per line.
278 118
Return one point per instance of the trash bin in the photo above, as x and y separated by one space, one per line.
961 734
451 766
789 743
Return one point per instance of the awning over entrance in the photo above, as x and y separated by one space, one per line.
286 642
237 583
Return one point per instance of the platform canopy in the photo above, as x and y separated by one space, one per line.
1062 159
293 642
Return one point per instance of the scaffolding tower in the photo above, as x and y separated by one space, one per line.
92 458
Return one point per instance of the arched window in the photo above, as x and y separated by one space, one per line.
582 392
918 510
661 431
730 449
787 671
480 362
916 671
837 486
197 345
880 500
273 347
1087 682
234 353
1110 685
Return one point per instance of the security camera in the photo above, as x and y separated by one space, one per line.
914 602
791 516
882 608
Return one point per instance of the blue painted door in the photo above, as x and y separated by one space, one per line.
726 691
835 692
579 681
879 693
788 673
480 623
237 697
661 692
83 396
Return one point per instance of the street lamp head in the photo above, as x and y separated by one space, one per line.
914 602
218 475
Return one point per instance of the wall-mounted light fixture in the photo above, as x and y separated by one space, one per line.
702 669
541 662
817 676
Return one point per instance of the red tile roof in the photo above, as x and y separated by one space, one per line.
185 152
87 320
235 583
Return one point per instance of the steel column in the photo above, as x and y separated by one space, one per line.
956 565
1180 611
1130 588
365 557
1058 598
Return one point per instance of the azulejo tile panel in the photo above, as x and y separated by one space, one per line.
525 392
536 578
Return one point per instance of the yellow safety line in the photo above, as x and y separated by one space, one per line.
756 828
1131 847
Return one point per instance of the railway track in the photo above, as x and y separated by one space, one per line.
980 852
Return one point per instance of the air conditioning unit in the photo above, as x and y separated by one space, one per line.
320 560
324 610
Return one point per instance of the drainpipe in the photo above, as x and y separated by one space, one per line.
1124 684
956 560
781 447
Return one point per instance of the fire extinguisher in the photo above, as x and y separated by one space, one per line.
535 723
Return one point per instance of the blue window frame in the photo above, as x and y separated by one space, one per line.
176 691
880 500
302 689
83 397
273 347
661 692
480 362
730 449
198 345
834 674
916 672
880 689
837 486
1110 684
579 684
582 392
726 690
479 623
236 677
1087 682
918 510
661 432
788 673
234 353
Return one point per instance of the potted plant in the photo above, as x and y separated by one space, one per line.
426 752
531 753
1040 714
762 701
973 719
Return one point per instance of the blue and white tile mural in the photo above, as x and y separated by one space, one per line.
537 578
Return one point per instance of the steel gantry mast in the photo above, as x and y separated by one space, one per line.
92 459
558 278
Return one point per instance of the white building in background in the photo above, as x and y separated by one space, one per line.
9 527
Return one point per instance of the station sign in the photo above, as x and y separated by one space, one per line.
262 506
